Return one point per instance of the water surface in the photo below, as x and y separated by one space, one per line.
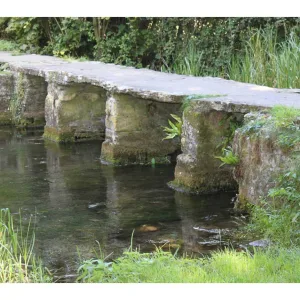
74 201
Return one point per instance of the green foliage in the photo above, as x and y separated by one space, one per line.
75 37
27 32
57 36
228 157
174 129
273 265
192 46
8 45
17 261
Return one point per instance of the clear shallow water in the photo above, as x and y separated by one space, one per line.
58 187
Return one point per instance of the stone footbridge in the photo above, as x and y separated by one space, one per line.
77 101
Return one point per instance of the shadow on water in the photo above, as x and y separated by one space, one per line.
74 201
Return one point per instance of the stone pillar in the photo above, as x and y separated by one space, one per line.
134 133
74 112
28 102
206 127
6 94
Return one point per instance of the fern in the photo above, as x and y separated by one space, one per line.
174 129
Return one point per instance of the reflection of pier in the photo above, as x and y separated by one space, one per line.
66 227
205 221
132 203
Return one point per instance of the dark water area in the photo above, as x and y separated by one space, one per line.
73 201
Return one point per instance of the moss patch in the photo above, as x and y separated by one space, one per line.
59 135
121 156
5 118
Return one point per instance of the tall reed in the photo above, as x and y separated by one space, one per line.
188 61
268 62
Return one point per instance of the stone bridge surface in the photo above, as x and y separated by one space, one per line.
77 101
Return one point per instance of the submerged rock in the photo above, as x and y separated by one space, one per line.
95 205
260 243
148 228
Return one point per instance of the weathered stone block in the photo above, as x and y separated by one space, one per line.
261 157
134 133
74 112
27 105
6 94
206 129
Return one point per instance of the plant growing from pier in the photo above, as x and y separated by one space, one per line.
233 123
175 129
228 158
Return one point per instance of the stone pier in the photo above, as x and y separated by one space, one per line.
208 127
6 94
74 112
28 102
134 131
22 99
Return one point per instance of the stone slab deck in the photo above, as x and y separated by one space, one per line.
150 84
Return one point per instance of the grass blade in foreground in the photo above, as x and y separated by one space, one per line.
17 261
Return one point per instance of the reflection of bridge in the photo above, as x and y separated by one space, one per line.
77 101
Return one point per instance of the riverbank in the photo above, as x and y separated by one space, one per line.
229 266
274 264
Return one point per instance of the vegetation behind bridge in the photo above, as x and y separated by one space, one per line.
259 50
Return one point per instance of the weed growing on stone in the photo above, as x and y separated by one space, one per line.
228 158
174 129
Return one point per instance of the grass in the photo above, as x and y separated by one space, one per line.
17 260
228 266
285 116
268 62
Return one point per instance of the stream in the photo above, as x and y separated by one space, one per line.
77 206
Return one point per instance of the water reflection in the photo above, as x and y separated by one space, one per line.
75 201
